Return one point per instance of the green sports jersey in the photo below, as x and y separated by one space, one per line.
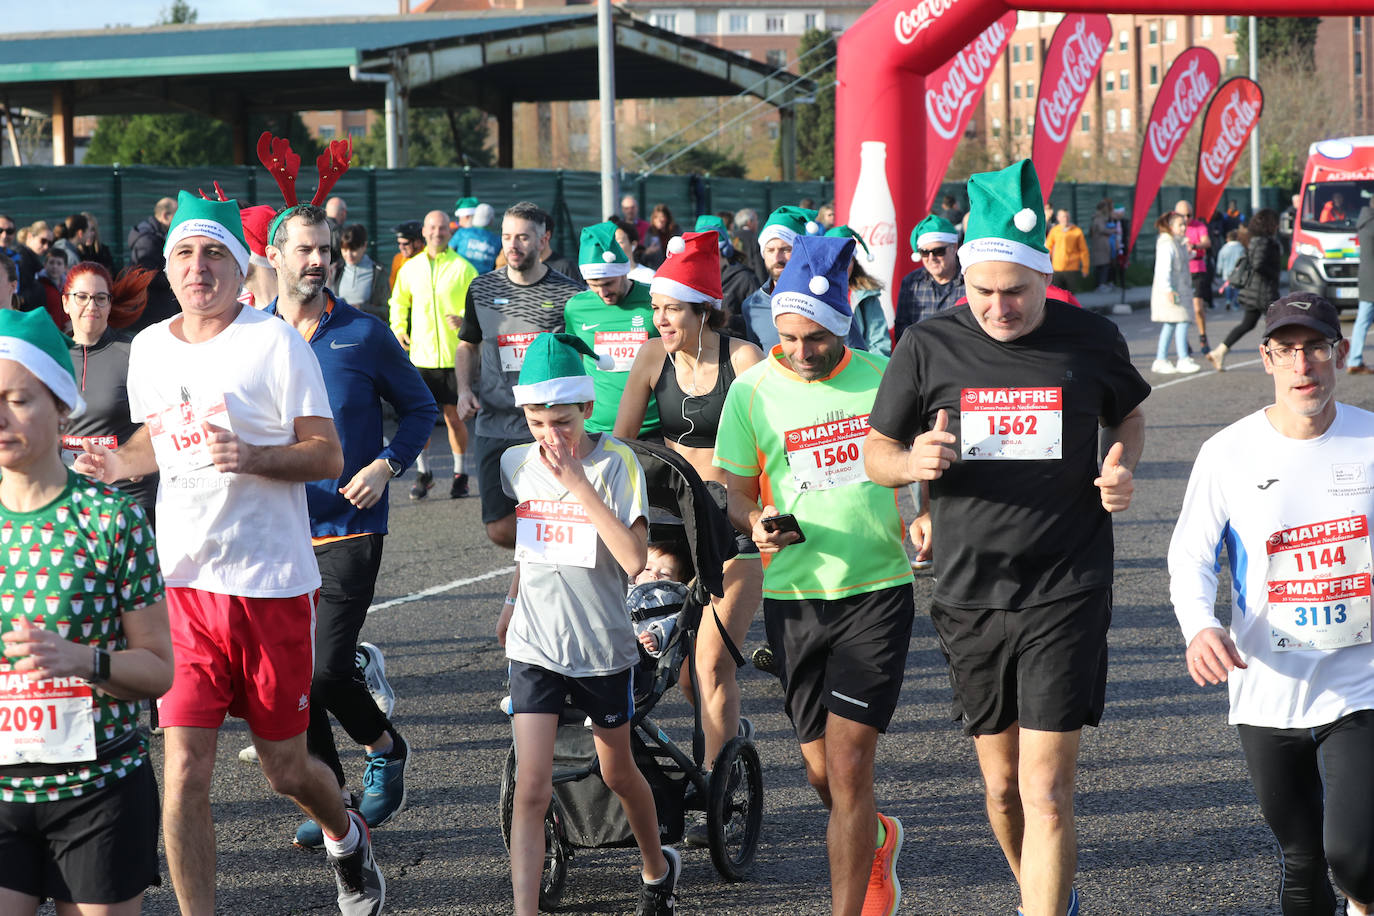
617 330
809 437
74 567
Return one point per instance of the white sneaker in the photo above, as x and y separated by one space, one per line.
1188 367
1162 367
373 666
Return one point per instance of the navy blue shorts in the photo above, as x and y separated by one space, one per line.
608 699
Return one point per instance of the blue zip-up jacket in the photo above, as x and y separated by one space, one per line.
363 365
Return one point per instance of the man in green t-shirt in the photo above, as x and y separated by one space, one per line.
837 597
614 317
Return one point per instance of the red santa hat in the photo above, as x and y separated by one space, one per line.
691 271
255 223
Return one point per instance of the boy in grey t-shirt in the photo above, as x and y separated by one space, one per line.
581 531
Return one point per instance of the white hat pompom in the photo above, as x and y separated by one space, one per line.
813 227
605 362
676 245
1025 219
608 257
915 256
819 285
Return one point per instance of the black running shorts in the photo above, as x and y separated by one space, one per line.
443 384
1044 667
98 848
608 699
488 450
845 656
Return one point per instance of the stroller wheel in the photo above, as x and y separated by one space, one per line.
734 809
556 849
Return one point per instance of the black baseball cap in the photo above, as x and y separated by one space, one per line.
1306 310
410 229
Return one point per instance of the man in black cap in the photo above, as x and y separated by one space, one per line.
410 241
1289 491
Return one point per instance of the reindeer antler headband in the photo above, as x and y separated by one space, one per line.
284 165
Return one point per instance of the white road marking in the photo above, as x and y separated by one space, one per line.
1197 375
440 589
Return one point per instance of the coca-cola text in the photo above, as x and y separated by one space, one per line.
912 22
1166 133
947 102
1237 120
1079 59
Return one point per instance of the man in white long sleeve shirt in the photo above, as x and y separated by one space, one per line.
1288 492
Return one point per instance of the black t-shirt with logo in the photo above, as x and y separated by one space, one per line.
1016 519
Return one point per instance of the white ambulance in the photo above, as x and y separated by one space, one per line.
1337 184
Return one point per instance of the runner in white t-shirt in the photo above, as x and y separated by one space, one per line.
1289 491
236 420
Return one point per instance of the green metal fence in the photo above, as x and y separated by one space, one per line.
381 198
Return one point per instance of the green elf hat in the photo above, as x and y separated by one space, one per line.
599 255
787 223
34 342
466 206
933 230
707 222
553 372
844 232
216 219
1006 219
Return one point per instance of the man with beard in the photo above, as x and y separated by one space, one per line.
506 309
362 365
426 310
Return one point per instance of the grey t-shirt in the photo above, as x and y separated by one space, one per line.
572 619
501 318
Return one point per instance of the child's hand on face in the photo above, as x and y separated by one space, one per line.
559 454
646 639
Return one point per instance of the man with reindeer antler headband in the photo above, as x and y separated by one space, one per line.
237 419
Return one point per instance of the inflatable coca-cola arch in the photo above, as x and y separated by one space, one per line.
887 98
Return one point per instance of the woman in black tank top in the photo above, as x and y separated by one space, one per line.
688 370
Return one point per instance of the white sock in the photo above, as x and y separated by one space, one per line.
422 463
458 464
345 846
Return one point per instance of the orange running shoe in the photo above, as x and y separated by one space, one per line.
884 890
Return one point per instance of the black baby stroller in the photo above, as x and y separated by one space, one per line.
584 813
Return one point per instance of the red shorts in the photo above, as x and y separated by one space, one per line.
252 658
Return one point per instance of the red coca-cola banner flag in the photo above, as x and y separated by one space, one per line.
1190 80
1071 65
1231 118
952 93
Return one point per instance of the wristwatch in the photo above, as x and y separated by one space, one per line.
396 467
100 666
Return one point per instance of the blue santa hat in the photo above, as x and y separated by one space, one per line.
815 283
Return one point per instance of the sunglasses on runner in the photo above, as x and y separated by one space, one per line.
933 252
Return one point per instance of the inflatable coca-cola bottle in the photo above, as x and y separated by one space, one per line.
873 215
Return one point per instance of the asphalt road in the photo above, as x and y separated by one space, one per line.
1167 821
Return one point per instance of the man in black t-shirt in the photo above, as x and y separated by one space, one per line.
506 309
1000 410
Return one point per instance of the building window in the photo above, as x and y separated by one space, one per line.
1087 123
1123 40
326 131
1030 89
1110 81
357 132
1232 64
1125 119
810 22
774 23
739 22
1154 74
1357 24
1154 34
773 130
1359 63
1232 24
1016 90
1125 80
1111 121
777 58
1030 52
1016 126
1205 28
1171 30
1016 54
666 21
996 92
1125 155
997 127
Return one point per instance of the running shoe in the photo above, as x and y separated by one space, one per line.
384 783
249 754
362 889
1188 367
1073 904
661 899
1162 367
372 664
459 488
310 836
884 890
424 481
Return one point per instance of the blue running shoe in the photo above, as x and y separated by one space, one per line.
384 784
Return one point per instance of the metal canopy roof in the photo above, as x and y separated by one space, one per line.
482 59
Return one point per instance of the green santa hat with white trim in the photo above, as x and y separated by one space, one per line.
553 372
216 219
34 342
466 206
1006 219
599 255
933 230
787 223
844 232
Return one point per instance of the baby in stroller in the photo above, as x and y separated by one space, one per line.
659 588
